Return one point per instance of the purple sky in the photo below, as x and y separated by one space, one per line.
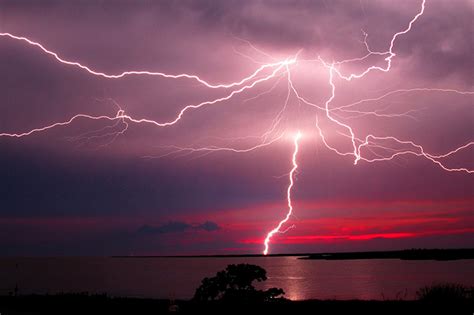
61 194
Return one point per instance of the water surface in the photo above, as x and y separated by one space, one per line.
179 277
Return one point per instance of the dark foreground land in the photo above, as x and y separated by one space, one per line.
101 304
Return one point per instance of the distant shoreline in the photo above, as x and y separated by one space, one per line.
407 254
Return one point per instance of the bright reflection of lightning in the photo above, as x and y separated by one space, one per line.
288 194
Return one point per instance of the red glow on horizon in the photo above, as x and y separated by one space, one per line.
315 239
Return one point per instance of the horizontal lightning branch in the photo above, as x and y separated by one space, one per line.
143 72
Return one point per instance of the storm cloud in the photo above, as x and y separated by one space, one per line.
66 191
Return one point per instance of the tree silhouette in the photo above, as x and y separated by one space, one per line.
235 284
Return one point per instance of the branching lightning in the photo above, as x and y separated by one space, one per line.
135 72
380 147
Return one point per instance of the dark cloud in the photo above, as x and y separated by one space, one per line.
209 226
177 227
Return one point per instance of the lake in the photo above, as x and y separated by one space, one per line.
177 278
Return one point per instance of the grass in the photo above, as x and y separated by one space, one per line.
446 292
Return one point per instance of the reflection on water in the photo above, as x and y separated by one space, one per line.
179 277
286 278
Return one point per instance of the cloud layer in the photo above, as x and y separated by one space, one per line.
60 195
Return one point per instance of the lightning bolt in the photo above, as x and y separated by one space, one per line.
141 72
209 149
416 149
288 194
64 123
121 114
389 52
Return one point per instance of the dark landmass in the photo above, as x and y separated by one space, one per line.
101 304
215 256
408 254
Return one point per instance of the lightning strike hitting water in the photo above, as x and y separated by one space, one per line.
288 194
275 70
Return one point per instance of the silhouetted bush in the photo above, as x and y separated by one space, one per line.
235 284
445 292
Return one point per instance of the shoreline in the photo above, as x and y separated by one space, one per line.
406 254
